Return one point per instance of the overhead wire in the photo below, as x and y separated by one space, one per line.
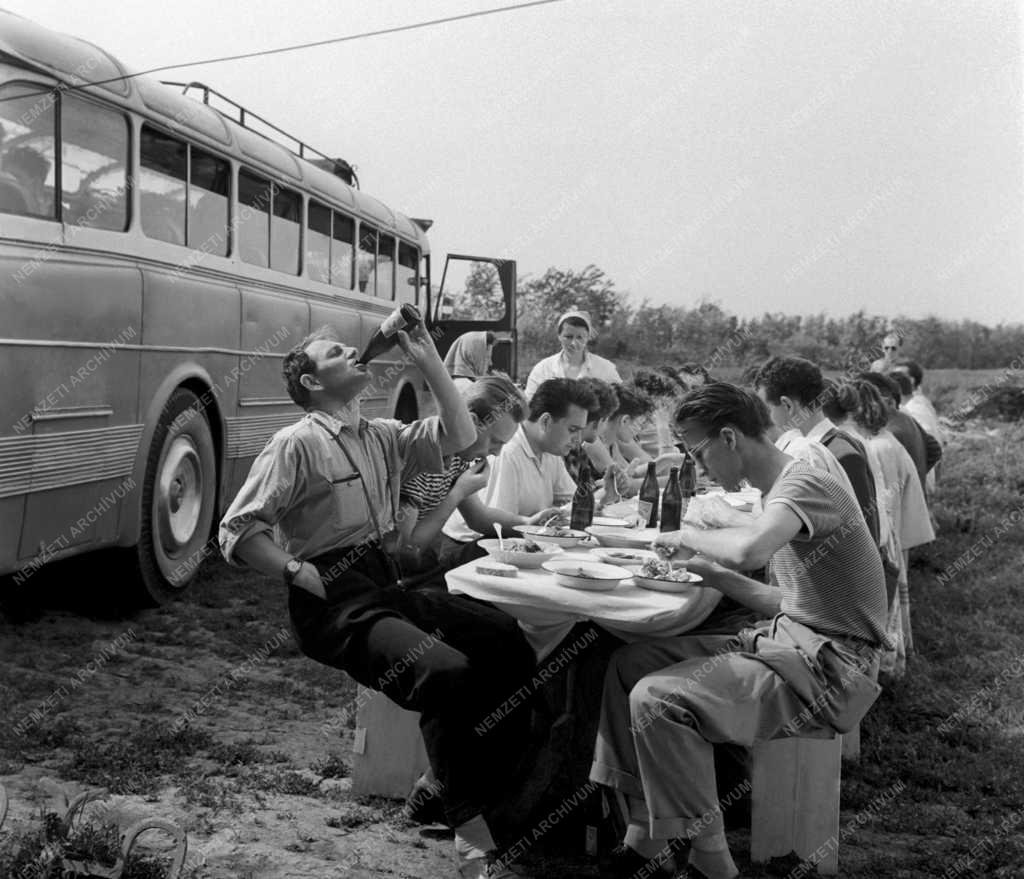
293 48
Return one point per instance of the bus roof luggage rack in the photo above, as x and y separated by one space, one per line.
336 166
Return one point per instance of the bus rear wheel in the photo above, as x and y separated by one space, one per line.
178 499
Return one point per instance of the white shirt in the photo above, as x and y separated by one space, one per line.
521 482
555 367
804 448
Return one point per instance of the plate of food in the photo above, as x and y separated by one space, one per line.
523 552
662 576
625 558
615 521
587 575
628 538
559 535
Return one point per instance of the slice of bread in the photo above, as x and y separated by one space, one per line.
496 569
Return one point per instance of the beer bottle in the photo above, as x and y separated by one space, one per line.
386 335
687 483
647 503
672 503
583 501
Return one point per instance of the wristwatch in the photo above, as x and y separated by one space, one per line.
291 570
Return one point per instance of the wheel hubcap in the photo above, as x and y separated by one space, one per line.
180 494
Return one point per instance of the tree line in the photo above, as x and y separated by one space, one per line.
643 333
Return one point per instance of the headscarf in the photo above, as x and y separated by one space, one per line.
468 356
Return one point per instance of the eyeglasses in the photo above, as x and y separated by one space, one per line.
695 451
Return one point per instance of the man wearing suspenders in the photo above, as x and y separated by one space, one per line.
318 510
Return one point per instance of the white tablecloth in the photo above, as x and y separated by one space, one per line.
547 611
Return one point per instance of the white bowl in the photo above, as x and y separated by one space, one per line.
535 532
629 538
519 558
688 585
587 575
624 557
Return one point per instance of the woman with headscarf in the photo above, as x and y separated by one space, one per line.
469 358
575 330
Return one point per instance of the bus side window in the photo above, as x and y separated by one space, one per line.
386 267
318 243
406 282
367 267
27 173
284 230
163 165
208 195
94 157
343 245
253 218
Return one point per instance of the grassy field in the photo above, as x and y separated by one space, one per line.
205 711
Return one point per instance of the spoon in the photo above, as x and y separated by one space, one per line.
501 543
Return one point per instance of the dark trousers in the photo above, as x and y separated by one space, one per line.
452 659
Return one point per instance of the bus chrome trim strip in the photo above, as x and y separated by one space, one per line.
247 435
71 412
266 401
174 349
35 463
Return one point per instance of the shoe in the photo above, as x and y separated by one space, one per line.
423 805
490 867
626 863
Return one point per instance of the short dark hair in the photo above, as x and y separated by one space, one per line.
606 402
793 377
298 363
491 396
578 322
556 395
885 385
631 401
913 369
490 338
721 404
655 383
903 380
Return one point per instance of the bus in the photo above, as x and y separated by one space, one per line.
161 247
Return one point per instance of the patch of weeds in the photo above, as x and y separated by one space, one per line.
332 766
130 765
352 816
284 781
216 794
39 851
242 753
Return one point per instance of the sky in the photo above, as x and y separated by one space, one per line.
790 157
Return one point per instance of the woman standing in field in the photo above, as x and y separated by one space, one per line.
575 331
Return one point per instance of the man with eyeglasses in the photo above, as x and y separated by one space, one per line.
890 349
667 702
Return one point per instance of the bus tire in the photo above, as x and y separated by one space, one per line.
179 494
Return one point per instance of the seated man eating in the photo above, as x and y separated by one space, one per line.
666 703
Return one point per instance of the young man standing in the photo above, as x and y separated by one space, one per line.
318 510
667 702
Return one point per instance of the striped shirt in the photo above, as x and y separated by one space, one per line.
830 573
426 491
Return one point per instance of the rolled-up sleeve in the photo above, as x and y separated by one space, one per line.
269 490
419 446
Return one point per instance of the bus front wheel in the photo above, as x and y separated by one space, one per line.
178 499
